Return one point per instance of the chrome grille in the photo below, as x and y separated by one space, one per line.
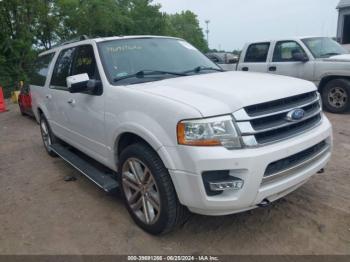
267 123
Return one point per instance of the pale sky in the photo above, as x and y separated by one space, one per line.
234 22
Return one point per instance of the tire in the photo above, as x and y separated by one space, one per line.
21 107
336 96
151 187
48 137
21 110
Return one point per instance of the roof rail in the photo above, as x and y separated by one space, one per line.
77 39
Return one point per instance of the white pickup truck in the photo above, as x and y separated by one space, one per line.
157 119
318 59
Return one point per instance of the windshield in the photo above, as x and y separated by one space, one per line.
124 59
324 47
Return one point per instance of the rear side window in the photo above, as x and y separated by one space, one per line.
257 53
63 68
40 70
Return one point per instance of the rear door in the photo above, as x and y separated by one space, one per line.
283 62
255 58
38 90
59 94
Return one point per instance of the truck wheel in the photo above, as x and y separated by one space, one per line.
148 191
47 136
336 96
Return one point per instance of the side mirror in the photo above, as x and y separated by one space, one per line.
301 57
232 61
83 84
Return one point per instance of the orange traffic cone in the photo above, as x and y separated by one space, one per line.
2 102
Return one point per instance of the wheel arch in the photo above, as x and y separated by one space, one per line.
326 79
37 113
128 138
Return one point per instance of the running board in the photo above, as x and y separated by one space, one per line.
105 180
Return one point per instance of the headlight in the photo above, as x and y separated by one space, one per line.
216 131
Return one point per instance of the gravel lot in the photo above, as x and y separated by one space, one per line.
42 214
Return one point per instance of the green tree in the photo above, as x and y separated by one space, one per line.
146 18
186 26
16 41
110 17
29 26
90 17
46 24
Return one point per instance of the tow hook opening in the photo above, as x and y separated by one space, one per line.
264 203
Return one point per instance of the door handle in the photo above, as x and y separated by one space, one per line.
48 97
71 101
245 69
272 68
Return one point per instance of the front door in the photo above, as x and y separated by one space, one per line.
283 62
78 118
85 117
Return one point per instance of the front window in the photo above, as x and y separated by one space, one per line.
123 58
285 51
62 68
324 47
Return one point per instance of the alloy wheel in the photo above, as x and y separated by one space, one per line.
45 134
141 191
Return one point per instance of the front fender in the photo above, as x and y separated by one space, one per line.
148 129
327 69
337 73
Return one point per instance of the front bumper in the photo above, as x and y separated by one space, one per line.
246 164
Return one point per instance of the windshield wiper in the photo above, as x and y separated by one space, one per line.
203 68
143 73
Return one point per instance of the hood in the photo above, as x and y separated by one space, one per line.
223 93
339 58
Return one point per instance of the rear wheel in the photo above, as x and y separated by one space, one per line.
336 96
148 192
47 136
21 109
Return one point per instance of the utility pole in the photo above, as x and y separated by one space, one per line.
207 31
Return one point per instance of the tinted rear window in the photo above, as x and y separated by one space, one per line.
257 53
40 70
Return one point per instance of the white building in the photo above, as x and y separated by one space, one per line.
343 33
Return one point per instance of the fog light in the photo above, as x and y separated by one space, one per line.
218 181
232 184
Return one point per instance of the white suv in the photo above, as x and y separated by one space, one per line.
156 118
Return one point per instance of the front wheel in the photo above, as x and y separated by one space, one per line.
47 136
148 191
336 96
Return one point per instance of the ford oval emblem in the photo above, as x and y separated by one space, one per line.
295 115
